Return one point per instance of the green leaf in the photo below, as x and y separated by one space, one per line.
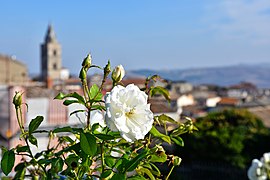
160 90
178 140
34 124
98 107
7 162
62 129
88 143
147 172
75 95
78 97
132 164
57 164
118 177
69 102
165 118
116 134
156 171
137 177
156 133
110 161
20 166
60 96
77 111
160 157
104 137
67 139
106 174
22 149
95 93
20 174
33 140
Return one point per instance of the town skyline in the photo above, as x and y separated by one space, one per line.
140 35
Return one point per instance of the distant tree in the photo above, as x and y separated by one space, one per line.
233 136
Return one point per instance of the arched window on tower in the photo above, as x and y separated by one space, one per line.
54 52
54 66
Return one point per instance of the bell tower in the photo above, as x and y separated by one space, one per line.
51 57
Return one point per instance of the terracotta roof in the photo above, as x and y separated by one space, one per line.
228 101
160 106
136 81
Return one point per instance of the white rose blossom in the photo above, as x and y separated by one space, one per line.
127 111
266 158
256 171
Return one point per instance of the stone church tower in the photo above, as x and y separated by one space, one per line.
51 57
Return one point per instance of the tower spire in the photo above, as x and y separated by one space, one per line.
50 35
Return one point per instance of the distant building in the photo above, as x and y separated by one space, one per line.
51 58
180 87
12 71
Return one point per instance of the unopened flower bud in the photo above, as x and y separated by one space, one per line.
83 74
107 68
87 62
118 73
176 160
17 99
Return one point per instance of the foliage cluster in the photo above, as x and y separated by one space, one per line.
232 136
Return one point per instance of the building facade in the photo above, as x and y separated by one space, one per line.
12 71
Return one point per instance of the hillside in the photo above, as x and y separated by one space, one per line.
259 74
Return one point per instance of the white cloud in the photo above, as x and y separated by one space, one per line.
241 19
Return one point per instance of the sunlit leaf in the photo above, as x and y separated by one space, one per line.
157 134
147 172
160 90
165 118
60 96
178 140
160 157
95 93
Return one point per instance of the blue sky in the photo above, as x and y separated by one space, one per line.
149 34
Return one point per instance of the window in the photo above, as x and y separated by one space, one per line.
54 66
54 52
